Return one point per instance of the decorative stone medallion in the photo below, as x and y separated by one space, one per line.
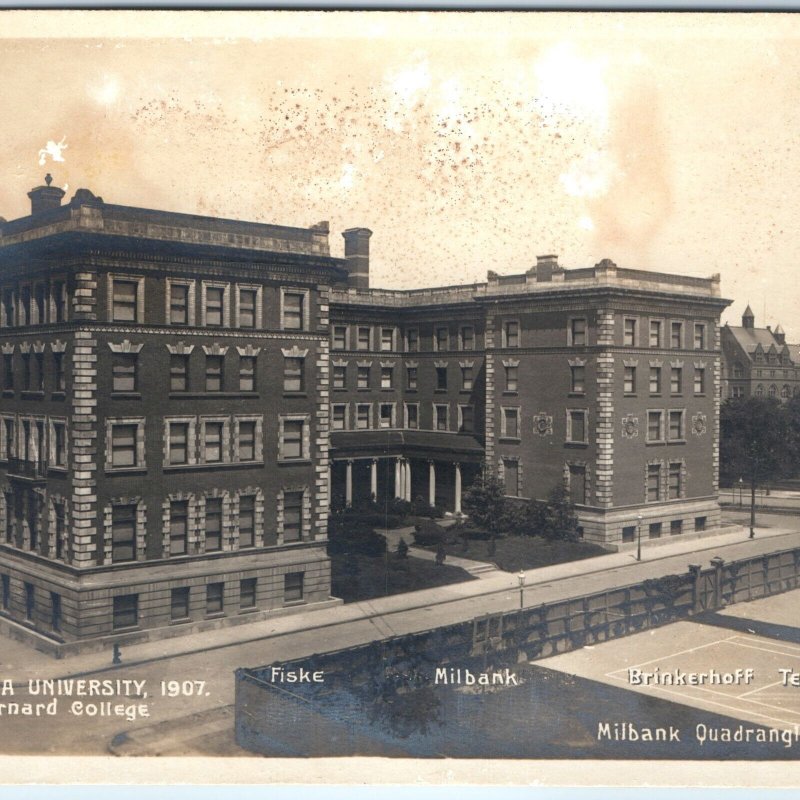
543 424
699 424
630 426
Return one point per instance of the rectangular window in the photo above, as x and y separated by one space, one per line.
629 380
26 372
59 372
214 373
58 295
215 306
440 417
60 515
411 378
30 601
292 516
441 379
9 431
339 416
511 333
699 336
293 438
179 603
247 440
629 332
123 533
412 416
8 308
363 416
655 333
179 373
178 443
387 377
467 337
293 311
292 587
59 444
676 380
8 371
676 425
386 419
577 483
339 337
215 598
363 341
247 373
294 375
247 521
387 340
655 432
512 378
653 482
213 442
6 592
247 308
629 533
577 432
126 611
675 479
40 297
124 372
654 531
339 377
676 527
676 335
178 527
213 524
412 340
699 380
467 414
578 379
511 477
178 304
511 423
700 523
124 301
577 330
123 445
362 378
466 379
25 306
38 361
442 338
655 380
247 593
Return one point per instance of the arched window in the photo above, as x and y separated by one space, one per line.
760 390
773 390
785 391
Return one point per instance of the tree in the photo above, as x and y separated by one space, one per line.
753 443
485 503
402 548
561 522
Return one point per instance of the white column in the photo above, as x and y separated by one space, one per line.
373 478
408 480
458 488
431 483
348 485
398 475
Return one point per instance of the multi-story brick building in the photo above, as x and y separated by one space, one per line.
163 421
757 362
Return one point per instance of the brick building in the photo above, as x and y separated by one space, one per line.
757 362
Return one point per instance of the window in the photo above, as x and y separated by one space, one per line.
363 341
39 298
676 380
737 391
629 332
178 304
292 516
178 527
123 445
362 378
339 376
442 339
363 413
247 440
577 332
179 603
247 520
339 416
386 418
654 531
33 524
38 360
8 437
26 372
212 443
8 308
412 340
700 381
8 372
629 380
124 301
511 423
676 527
655 380
213 524
247 373
699 336
700 523
60 517
292 439
294 374
292 587
248 299
214 306
59 373
676 425
655 432
578 379
340 337
215 601
773 390
59 444
467 337
675 479
467 419
59 301
577 426
123 533
759 388
126 611
577 483
6 591
653 482
412 416
214 373
387 377
655 333
293 311
511 476
676 335
387 340
30 601
629 533
441 414
738 370
411 378
178 373
512 378
124 372
247 593
441 379
511 333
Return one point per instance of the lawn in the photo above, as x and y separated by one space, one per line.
359 577
513 553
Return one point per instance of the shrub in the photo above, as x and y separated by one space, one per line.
398 507
346 535
485 502
429 533
402 548
421 508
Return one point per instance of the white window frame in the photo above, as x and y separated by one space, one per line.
661 435
635 321
139 442
679 322
406 407
306 315
392 416
670 412
226 303
305 437
191 300
506 323
191 441
569 434
660 325
435 425
368 426
258 444
225 444
116 276
392 339
367 328
504 434
461 338
407 347
461 408
346 340
344 407
259 309
52 459
571 332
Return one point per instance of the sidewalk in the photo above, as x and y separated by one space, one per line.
415 611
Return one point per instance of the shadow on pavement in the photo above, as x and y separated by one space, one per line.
768 630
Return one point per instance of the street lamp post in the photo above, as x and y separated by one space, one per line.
741 484
639 538
521 579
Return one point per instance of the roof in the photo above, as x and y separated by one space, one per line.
407 442
750 338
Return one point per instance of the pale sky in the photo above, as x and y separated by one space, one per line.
465 141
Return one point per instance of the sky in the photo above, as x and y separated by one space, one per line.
466 141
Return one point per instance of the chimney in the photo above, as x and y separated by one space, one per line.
356 254
43 198
748 318
545 267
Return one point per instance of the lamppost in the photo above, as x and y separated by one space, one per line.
741 484
521 579
639 538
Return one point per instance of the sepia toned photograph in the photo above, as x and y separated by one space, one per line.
388 394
